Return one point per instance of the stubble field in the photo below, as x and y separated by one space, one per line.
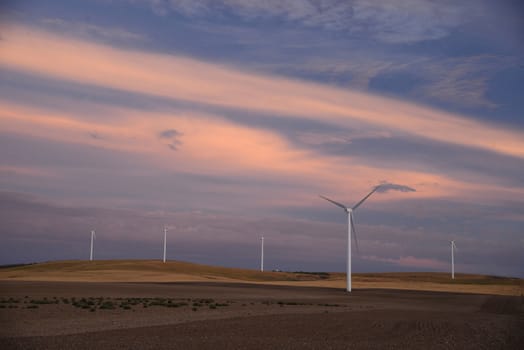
213 314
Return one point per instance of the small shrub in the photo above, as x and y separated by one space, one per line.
206 301
107 305
41 301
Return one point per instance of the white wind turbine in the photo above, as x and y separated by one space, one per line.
351 231
165 243
262 253
453 247
93 236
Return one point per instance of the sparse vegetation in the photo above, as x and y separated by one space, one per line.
42 301
9 301
101 303
107 305
292 303
320 275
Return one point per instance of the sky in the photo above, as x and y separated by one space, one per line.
226 119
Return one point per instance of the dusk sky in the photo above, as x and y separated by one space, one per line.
226 120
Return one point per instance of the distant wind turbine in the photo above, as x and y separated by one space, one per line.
262 253
453 247
351 231
165 242
93 236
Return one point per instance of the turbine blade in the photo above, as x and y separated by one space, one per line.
354 232
336 203
366 197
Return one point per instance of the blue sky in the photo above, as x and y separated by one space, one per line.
226 119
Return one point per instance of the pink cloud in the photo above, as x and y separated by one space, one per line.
410 261
62 57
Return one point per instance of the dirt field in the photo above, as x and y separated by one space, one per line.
215 315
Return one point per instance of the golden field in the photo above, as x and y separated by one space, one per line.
177 271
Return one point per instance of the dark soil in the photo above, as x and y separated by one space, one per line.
244 316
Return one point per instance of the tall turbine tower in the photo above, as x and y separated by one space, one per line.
93 236
262 253
453 247
351 231
165 242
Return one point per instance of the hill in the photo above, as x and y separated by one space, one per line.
178 271
147 271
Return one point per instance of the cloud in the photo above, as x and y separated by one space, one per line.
386 186
403 21
169 134
410 261
173 136
457 81
408 21
15 171
200 82
94 135
222 133
174 145
462 81
345 137
83 29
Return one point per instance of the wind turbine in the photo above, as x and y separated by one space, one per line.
93 236
351 231
165 242
453 247
262 253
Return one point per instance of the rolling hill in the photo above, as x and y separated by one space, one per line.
178 271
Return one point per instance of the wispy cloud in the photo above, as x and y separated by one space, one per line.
386 186
410 261
174 138
89 30
169 134
459 81
201 82
462 81
405 21
94 135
